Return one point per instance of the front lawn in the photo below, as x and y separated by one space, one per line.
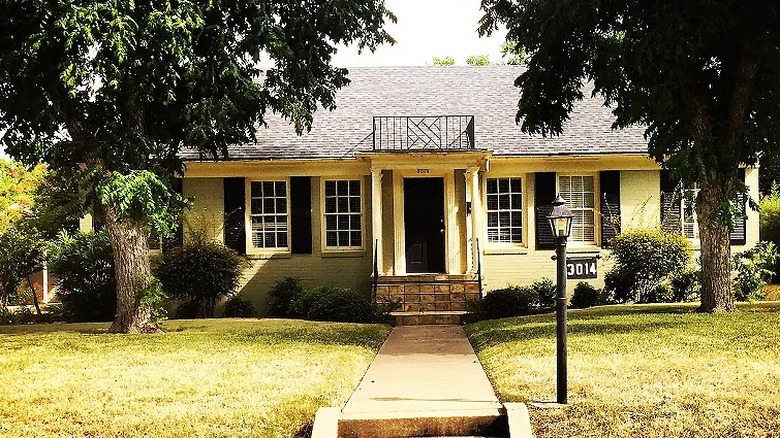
643 371
219 377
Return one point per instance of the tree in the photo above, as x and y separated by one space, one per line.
107 93
447 60
478 60
514 53
703 77
18 186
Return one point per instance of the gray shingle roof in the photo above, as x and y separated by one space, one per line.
486 92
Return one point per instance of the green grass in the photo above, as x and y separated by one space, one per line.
643 371
226 377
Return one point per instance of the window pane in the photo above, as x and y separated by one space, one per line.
355 238
492 202
281 205
330 188
354 205
492 185
516 185
342 188
281 188
330 238
493 219
330 222
343 238
354 188
503 185
342 205
330 205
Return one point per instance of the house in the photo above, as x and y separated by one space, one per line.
422 175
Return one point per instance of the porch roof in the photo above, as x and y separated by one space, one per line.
486 92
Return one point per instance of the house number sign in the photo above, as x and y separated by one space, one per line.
581 268
423 171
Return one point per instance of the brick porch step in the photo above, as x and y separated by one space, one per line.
429 293
429 318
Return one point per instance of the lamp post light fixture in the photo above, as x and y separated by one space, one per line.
560 221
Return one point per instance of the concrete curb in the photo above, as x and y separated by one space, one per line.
326 423
519 420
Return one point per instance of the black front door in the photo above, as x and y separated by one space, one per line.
424 223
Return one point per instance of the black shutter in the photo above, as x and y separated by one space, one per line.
738 235
235 199
671 216
300 208
609 182
544 195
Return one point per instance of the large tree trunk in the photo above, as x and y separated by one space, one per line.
716 293
133 274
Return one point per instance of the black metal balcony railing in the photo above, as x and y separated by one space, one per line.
404 133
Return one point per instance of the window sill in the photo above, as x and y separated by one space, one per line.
518 250
268 255
355 253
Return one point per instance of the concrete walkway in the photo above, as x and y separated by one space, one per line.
424 371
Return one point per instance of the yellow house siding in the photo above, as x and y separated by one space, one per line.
640 199
207 213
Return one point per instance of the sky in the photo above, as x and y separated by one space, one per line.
428 28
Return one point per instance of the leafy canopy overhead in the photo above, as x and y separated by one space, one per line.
703 76
126 85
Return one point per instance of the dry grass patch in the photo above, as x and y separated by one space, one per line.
643 371
226 377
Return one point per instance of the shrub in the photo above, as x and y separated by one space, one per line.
753 271
686 284
334 304
642 259
188 310
239 307
769 228
661 293
202 271
83 265
545 291
509 301
585 295
283 296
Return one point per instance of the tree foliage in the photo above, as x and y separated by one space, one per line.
108 93
478 60
702 76
18 186
443 61
514 53
21 255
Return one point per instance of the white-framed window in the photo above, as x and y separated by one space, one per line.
579 192
343 214
690 225
268 214
504 210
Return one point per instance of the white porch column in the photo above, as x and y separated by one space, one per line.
376 217
45 284
476 217
469 222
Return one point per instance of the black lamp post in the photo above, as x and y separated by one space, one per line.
560 220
